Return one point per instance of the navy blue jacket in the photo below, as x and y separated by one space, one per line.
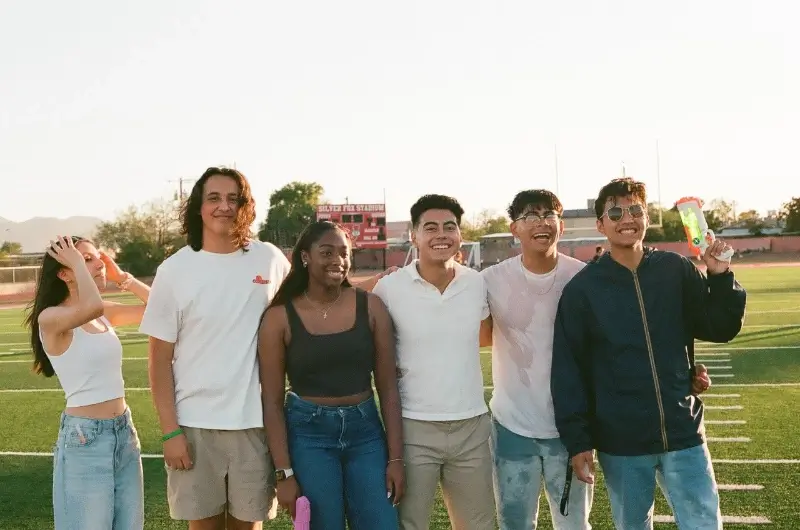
621 377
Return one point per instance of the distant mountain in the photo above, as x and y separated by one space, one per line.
35 234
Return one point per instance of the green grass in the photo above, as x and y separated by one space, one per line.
767 351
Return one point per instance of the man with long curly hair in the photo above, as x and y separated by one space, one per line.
202 318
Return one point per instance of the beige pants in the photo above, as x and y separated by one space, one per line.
457 454
231 469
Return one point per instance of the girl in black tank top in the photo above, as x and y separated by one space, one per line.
326 436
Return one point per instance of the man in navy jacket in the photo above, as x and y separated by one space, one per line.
622 381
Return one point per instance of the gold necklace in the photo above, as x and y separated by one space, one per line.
323 311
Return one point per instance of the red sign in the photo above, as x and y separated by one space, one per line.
366 222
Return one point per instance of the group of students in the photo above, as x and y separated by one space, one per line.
585 359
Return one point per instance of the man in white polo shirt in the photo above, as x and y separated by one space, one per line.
437 306
523 297
202 317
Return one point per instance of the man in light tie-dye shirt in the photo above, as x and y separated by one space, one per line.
523 294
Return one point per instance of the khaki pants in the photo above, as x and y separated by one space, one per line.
231 469
458 454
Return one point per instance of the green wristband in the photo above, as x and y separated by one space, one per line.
172 434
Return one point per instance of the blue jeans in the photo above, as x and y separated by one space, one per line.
520 464
339 456
97 474
686 477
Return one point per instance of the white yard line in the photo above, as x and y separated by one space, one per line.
724 422
740 487
728 519
713 461
489 387
758 461
718 367
724 407
35 390
701 352
31 360
767 385
721 396
740 439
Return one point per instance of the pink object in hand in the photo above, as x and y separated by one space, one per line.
302 514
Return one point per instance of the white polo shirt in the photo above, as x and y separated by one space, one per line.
210 305
438 345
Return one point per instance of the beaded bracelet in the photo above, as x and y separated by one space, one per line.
126 283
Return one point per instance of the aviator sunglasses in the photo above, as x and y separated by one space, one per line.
615 213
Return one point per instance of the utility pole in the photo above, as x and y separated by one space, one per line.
555 156
180 182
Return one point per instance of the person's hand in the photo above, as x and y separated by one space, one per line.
395 481
701 381
714 265
176 453
387 272
113 272
64 252
288 491
583 467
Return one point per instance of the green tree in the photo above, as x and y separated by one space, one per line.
487 222
721 211
752 221
10 248
142 238
671 228
790 215
291 208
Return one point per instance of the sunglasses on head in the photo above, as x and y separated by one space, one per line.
615 213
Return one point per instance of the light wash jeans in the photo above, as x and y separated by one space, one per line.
97 475
520 463
686 477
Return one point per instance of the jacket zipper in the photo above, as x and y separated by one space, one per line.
652 361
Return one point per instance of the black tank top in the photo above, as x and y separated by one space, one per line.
333 364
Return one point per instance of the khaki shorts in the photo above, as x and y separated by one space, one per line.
231 468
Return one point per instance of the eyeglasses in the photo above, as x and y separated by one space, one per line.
615 213
550 218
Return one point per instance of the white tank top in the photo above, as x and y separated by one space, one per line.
90 371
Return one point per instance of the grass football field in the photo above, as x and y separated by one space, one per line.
752 420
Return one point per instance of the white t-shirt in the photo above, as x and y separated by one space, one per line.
210 305
523 307
438 346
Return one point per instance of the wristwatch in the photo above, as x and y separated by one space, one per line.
283 474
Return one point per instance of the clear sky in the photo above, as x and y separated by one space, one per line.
103 103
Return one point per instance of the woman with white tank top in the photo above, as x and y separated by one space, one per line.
97 466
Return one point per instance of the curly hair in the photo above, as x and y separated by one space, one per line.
533 199
192 222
